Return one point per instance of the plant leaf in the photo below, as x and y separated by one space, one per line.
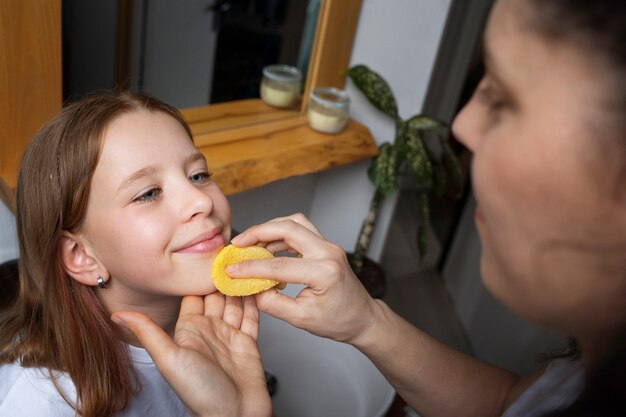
440 177
383 170
423 216
417 157
421 122
375 88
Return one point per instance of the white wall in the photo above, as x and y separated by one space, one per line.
398 39
8 237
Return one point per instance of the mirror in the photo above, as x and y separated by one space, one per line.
188 53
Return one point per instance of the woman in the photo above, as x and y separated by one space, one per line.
547 131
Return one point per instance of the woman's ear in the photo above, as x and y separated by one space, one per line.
78 261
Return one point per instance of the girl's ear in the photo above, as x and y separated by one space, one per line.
78 261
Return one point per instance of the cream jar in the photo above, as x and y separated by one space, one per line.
328 109
280 86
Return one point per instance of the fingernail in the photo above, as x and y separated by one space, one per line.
231 268
235 239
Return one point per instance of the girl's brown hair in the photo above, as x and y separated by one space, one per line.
56 322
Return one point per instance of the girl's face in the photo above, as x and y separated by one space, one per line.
155 220
545 178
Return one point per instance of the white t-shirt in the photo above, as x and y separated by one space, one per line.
27 392
558 387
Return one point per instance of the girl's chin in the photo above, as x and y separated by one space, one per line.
200 290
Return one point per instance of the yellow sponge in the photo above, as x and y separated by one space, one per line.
237 287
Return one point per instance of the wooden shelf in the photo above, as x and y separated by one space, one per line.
255 155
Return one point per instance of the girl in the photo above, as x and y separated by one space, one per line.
547 129
116 210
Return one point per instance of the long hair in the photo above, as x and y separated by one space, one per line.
56 322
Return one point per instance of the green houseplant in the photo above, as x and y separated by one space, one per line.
420 149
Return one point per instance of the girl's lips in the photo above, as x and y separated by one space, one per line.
204 246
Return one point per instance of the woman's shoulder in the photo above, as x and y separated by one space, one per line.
28 391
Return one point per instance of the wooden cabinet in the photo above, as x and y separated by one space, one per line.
30 76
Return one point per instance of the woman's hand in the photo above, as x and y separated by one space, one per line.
213 363
334 304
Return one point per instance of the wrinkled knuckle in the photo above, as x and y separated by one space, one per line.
336 251
302 318
299 217
290 224
332 267
277 263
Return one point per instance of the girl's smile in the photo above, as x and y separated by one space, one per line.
204 243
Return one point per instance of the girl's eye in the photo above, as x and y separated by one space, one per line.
200 177
149 195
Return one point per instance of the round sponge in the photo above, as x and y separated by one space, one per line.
238 287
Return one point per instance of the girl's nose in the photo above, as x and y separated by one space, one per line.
194 202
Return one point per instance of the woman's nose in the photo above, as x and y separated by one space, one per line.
466 126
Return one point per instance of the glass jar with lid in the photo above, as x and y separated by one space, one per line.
281 85
328 109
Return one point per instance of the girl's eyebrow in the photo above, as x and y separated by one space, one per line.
195 157
151 169
141 173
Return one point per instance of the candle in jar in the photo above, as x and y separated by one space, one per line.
280 86
326 122
278 96
328 110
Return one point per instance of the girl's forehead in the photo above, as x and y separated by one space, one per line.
137 139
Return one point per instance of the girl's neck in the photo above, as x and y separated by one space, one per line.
163 310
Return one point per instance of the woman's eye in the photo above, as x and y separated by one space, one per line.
492 101
149 195
200 177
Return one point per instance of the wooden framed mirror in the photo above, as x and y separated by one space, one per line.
247 143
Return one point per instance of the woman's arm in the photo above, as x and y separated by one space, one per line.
433 378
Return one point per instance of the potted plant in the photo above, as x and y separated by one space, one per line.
421 150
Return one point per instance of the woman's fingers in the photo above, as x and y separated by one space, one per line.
293 234
280 306
276 247
301 219
313 273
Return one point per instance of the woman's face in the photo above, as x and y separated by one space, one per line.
155 219
545 178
